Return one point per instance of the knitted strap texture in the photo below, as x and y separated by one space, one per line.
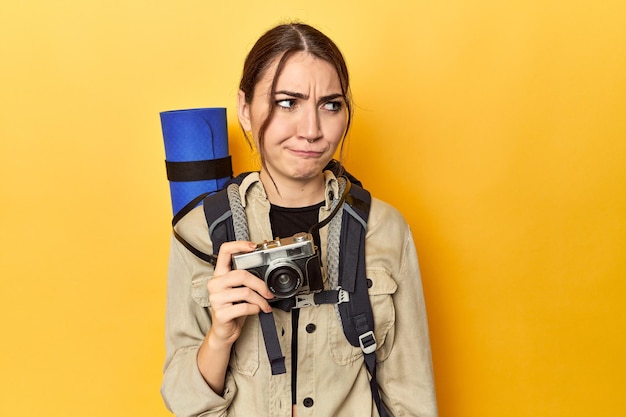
334 235
240 222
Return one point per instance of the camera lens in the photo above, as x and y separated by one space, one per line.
284 279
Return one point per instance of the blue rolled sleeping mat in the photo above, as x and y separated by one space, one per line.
196 153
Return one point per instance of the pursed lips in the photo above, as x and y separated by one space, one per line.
306 152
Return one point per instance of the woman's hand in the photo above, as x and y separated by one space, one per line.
234 294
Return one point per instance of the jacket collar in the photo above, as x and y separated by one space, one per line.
251 186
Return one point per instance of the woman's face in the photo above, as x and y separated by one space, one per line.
309 117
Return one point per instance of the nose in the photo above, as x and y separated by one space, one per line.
309 126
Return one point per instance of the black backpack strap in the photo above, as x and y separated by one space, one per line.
204 198
352 276
272 344
357 316
219 216
312 299
181 213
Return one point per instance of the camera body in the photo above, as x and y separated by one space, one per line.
289 266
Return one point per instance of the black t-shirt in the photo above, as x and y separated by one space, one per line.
287 221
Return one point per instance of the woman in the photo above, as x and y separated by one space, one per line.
294 101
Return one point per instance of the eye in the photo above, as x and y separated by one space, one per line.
333 106
286 103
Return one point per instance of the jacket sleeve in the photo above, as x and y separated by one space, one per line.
187 321
405 376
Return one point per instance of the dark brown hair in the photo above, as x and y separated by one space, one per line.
281 42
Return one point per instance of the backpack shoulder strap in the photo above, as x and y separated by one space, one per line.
219 218
357 316
178 216
219 215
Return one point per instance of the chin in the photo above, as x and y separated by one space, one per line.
309 170
306 175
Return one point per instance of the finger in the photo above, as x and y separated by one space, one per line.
227 316
238 278
227 250
240 295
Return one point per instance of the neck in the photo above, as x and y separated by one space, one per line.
294 192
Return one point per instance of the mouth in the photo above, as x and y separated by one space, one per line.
306 153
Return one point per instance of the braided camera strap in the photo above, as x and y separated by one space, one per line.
334 236
240 222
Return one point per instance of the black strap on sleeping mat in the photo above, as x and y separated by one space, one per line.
210 169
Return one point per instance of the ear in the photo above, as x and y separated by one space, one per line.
243 111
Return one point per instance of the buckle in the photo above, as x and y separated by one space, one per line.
368 342
305 300
325 297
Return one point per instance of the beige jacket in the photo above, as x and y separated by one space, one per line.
332 377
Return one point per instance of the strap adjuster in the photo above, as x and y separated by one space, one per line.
343 296
368 342
325 297
305 300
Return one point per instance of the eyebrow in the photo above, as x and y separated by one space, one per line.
323 99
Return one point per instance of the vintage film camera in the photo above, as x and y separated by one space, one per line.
289 266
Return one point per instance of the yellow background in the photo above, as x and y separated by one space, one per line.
497 127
